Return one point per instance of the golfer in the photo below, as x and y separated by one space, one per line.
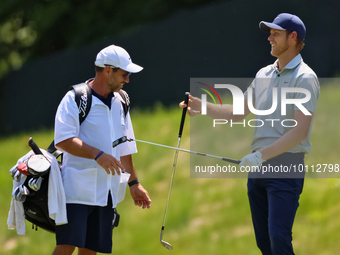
274 197
92 170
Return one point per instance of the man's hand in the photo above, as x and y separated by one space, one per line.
78 148
110 164
254 159
194 105
140 196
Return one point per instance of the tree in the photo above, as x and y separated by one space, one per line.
33 28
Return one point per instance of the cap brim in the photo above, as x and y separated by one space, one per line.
132 68
98 63
266 26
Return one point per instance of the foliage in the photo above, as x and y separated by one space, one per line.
33 28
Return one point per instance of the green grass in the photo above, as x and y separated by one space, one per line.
205 216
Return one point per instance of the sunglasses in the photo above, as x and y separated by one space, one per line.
125 76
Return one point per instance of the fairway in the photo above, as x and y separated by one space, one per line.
205 215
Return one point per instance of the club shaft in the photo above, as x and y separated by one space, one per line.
174 165
171 180
234 161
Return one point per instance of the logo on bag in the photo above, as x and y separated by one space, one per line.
31 212
83 102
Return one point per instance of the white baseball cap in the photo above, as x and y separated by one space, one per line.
118 57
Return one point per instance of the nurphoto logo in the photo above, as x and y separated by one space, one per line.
204 96
238 104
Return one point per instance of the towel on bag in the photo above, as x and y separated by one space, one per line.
56 197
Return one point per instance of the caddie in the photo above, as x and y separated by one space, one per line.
94 173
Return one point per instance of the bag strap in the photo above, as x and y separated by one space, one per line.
126 103
83 98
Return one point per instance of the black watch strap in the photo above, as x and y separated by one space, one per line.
131 183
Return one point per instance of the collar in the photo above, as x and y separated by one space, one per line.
89 80
106 101
291 65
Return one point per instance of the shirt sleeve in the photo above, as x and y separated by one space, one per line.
66 123
252 87
128 147
310 83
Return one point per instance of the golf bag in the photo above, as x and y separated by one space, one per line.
30 189
34 191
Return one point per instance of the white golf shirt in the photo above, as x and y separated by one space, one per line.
296 74
85 182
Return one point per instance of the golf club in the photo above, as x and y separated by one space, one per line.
164 243
34 146
230 160
17 176
124 139
24 190
38 165
16 194
20 193
35 184
31 184
13 170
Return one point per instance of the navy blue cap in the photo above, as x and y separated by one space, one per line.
286 21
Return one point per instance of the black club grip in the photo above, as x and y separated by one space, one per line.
34 146
183 114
